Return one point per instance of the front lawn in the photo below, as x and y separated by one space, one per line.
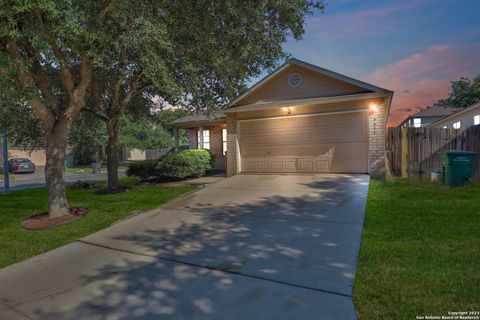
420 252
18 244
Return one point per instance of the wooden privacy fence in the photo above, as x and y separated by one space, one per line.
416 152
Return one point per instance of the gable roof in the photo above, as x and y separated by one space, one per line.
317 69
435 110
457 113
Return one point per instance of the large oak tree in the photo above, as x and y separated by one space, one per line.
195 54
56 53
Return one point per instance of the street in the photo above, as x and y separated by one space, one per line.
37 180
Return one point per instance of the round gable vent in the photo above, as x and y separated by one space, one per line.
295 79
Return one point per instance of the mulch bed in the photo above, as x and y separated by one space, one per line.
119 189
84 185
43 221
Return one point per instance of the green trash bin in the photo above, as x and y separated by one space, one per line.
457 167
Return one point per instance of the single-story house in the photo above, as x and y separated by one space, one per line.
462 119
299 119
428 116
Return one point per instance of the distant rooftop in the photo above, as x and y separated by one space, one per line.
436 110
206 118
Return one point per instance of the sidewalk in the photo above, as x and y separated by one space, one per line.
37 180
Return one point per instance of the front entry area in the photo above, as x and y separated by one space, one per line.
318 143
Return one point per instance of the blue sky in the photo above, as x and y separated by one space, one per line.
413 47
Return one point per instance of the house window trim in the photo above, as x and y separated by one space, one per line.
224 141
206 139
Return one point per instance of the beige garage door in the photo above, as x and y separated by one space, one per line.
321 143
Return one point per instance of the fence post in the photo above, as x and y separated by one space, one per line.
404 153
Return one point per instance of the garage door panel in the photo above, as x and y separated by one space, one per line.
339 166
291 166
334 143
305 165
261 166
336 135
276 166
248 165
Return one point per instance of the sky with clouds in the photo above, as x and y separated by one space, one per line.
414 47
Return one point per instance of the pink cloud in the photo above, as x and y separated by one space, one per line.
423 78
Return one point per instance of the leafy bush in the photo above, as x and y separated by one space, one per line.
174 165
144 170
187 163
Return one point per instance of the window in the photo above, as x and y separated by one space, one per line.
457 125
224 141
417 122
206 139
476 119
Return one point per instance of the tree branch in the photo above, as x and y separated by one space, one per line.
77 101
96 95
106 8
102 116
133 90
57 51
41 79
118 88
27 81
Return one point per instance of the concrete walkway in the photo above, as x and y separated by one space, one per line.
246 247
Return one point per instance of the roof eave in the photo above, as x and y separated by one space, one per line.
464 110
310 101
193 124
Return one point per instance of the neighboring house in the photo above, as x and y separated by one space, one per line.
462 119
38 157
299 119
428 116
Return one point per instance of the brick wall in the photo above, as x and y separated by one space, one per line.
376 152
231 146
216 146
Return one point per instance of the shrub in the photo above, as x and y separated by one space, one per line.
187 163
144 169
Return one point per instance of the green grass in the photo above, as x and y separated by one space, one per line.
18 244
420 252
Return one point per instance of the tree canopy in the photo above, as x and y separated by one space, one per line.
464 92
57 54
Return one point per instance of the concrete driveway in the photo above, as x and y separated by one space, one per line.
247 247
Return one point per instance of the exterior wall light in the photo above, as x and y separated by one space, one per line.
372 108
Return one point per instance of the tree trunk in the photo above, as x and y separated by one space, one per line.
54 169
112 152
